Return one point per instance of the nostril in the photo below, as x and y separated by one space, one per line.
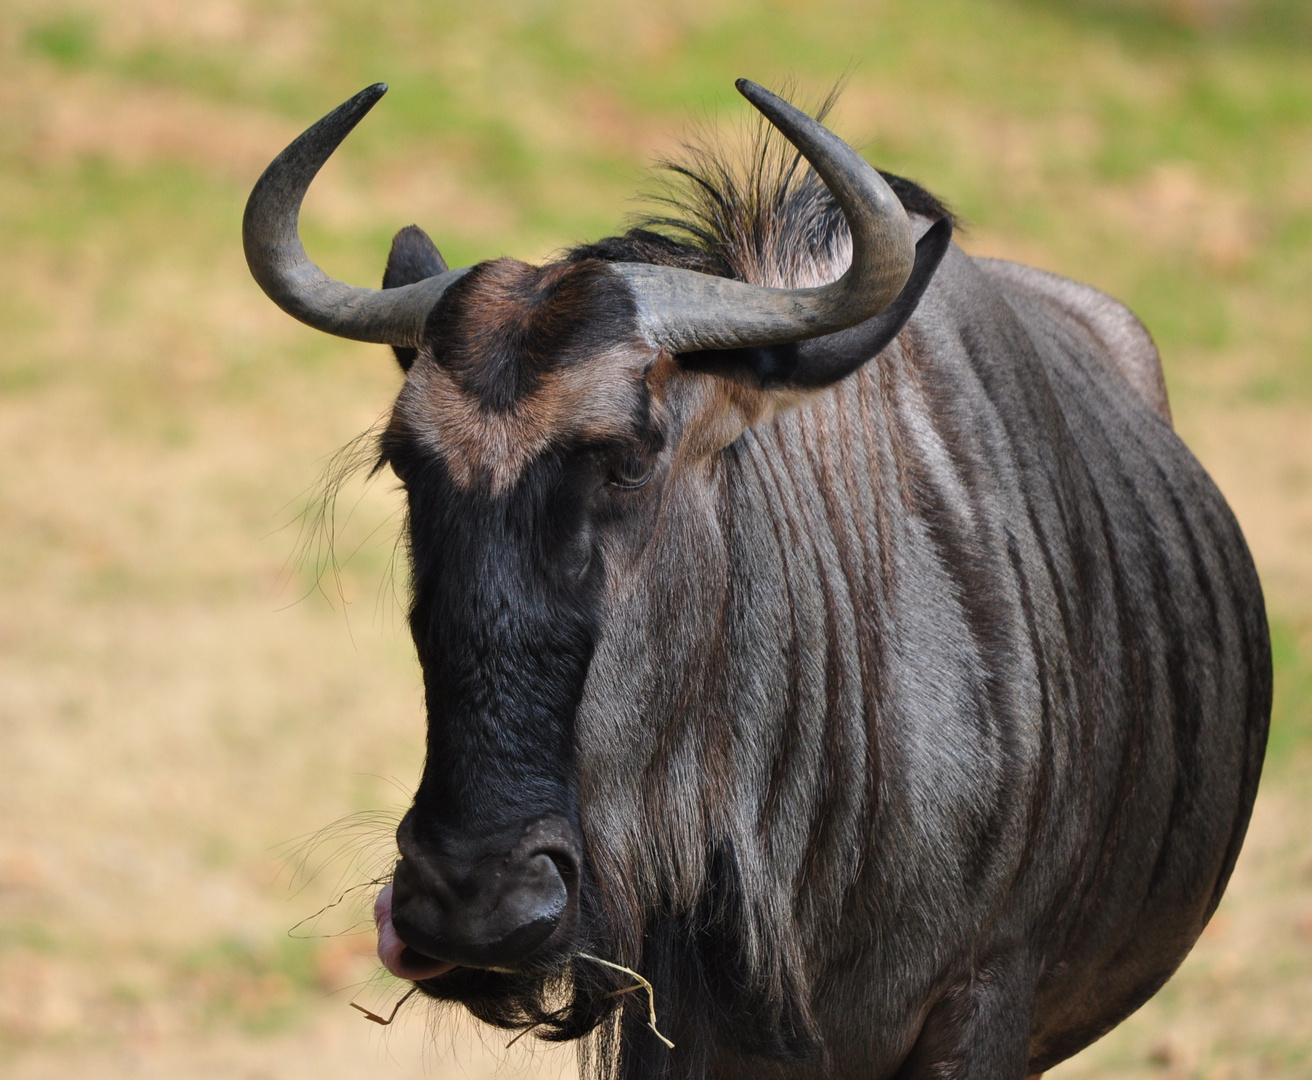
557 841
543 881
565 862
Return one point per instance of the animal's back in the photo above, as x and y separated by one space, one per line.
1161 606
1111 330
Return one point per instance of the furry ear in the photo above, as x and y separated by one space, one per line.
413 257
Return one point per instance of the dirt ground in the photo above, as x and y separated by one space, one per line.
193 689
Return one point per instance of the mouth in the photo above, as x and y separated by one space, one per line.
398 957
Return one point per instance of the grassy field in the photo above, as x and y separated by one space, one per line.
187 687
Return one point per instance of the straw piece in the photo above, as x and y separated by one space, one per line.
378 1019
531 1027
341 899
642 984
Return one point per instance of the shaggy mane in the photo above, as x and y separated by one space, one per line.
750 208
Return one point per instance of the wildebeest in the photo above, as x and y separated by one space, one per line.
816 620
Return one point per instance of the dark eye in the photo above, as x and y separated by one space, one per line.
630 472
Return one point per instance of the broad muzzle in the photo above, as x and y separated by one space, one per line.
497 904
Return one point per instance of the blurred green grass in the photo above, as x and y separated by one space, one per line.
1289 749
522 102
162 420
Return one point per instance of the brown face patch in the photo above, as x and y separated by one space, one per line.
518 358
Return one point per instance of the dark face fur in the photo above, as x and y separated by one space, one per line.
525 436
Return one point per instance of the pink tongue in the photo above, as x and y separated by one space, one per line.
401 961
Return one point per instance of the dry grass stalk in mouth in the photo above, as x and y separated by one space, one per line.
642 984
369 1015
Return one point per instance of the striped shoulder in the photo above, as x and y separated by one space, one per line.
1126 340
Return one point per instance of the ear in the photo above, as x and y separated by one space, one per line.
413 257
822 361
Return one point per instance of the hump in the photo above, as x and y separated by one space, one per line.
1126 340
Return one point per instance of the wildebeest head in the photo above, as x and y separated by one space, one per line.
554 422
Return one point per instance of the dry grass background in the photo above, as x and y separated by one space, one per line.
180 698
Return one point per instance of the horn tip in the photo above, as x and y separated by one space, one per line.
750 90
775 109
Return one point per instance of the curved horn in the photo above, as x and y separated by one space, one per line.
822 361
283 270
684 311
